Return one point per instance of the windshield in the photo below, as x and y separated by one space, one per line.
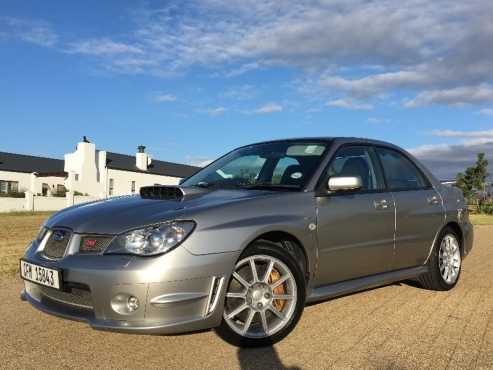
278 165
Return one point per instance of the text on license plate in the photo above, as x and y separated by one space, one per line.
39 274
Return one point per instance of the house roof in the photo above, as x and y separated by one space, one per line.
55 167
127 163
28 164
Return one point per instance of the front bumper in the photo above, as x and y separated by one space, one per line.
178 292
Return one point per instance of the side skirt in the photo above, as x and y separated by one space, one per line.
350 286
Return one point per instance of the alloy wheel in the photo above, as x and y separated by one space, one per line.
449 259
261 297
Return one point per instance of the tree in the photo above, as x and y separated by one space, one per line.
474 177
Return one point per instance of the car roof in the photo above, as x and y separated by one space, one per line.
326 139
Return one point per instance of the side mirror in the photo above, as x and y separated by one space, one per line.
344 183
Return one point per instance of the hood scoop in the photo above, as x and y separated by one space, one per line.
163 192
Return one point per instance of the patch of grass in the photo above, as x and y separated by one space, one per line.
481 219
23 213
16 231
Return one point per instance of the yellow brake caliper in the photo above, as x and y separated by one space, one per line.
277 303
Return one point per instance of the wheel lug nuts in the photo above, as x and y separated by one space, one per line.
267 295
260 305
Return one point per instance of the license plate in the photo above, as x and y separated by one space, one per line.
40 274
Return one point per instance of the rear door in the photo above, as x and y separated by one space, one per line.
419 211
355 229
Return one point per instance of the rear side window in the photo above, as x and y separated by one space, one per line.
400 172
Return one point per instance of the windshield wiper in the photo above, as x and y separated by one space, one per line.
268 185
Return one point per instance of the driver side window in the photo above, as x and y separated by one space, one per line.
357 161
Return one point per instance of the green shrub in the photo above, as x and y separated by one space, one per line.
486 208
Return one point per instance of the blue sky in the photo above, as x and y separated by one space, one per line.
193 79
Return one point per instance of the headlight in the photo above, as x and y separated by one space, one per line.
41 233
152 240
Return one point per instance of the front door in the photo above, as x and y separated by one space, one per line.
419 211
356 229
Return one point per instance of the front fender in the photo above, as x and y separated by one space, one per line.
233 227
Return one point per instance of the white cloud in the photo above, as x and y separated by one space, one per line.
216 111
198 161
446 160
103 47
349 104
243 69
242 92
435 52
455 96
33 31
463 134
269 108
486 112
165 98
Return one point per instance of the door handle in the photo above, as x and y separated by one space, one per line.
433 200
381 204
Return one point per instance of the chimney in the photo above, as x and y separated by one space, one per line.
141 158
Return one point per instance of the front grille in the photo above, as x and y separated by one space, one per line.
57 243
94 244
78 297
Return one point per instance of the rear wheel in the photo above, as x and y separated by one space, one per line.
444 263
265 297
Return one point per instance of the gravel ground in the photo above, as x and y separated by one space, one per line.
395 327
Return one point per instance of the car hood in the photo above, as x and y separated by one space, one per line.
117 215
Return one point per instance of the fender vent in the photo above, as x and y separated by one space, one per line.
214 293
161 192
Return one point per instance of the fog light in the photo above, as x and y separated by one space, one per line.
132 303
125 304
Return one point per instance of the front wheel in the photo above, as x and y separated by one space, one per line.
444 263
265 297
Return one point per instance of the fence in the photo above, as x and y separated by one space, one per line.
32 203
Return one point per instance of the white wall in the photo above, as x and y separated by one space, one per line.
24 179
29 183
12 204
122 181
40 203
79 199
52 182
83 164
49 203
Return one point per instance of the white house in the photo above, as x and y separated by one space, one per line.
21 173
87 171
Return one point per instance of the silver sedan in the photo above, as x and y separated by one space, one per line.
245 243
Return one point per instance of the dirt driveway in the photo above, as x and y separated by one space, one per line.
394 327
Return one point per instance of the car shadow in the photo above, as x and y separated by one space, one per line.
261 358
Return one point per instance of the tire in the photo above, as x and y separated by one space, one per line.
436 277
249 319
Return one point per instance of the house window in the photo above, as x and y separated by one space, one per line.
76 177
7 187
60 188
133 187
45 188
112 184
